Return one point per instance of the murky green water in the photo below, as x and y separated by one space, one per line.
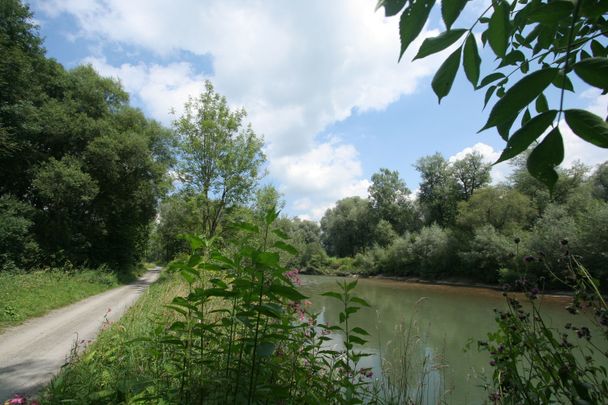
445 320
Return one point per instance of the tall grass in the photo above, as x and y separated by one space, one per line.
27 295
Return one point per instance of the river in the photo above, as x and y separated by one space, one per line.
445 320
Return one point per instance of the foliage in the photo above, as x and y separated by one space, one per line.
542 44
221 156
488 252
505 209
27 295
90 167
536 363
471 173
346 228
17 243
438 193
237 332
389 200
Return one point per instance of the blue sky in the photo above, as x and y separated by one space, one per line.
320 80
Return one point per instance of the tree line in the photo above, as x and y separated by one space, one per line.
81 171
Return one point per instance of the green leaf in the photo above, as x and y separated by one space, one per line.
562 81
450 10
519 96
269 259
588 126
357 340
541 103
545 157
352 285
593 71
439 43
528 133
271 215
271 310
332 294
471 60
597 49
505 127
498 28
492 77
444 78
286 247
246 226
360 331
280 234
286 292
391 7
488 95
412 21
551 13
512 58
526 117
360 301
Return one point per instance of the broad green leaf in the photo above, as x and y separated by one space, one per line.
541 103
332 294
272 310
505 127
498 28
512 58
271 215
520 95
545 157
471 60
528 133
551 13
588 126
357 340
562 81
286 292
488 95
598 49
439 43
280 234
286 247
444 78
352 285
360 331
593 71
360 301
412 21
391 7
246 226
450 10
492 77
267 258
526 117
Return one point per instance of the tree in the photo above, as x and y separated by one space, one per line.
438 193
389 201
471 173
539 43
221 156
346 228
599 182
506 210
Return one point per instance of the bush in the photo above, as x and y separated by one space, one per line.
18 249
488 251
432 251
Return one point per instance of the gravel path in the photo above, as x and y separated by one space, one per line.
32 353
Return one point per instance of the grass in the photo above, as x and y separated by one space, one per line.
28 295
119 359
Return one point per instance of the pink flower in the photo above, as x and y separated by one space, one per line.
17 399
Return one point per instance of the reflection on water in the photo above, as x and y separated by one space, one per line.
441 321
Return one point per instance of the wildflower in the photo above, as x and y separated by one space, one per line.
516 240
492 363
564 242
529 259
17 400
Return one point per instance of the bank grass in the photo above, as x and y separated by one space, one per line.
124 357
28 295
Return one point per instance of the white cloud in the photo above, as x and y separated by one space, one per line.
317 179
296 68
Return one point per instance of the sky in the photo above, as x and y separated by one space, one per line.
319 79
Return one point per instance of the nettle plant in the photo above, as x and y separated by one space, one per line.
243 333
539 44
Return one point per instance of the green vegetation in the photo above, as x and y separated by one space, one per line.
27 295
80 171
543 44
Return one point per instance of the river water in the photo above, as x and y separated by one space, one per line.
442 321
